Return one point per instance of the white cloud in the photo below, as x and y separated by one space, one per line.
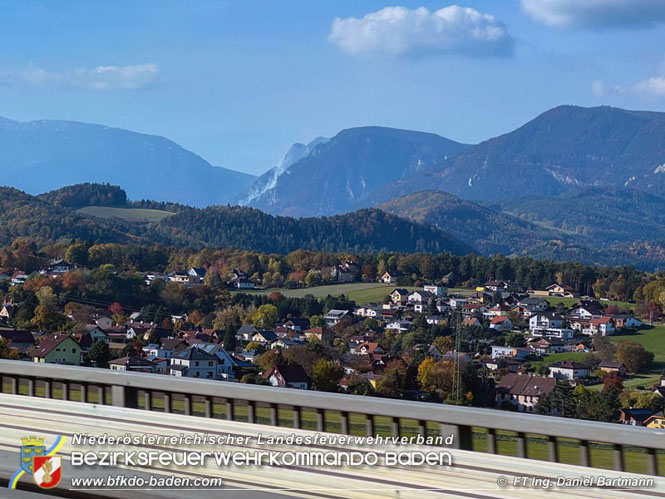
595 13
101 78
398 30
598 88
649 89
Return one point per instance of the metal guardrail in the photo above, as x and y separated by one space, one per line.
123 388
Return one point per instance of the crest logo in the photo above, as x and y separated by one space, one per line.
48 471
42 463
31 448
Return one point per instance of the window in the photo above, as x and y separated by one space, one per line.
210 363
196 363
73 350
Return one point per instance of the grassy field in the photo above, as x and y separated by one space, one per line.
360 292
506 443
129 214
555 300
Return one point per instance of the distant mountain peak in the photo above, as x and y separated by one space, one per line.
339 173
44 155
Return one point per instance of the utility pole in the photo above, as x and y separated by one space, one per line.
457 380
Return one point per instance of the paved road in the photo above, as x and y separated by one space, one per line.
472 475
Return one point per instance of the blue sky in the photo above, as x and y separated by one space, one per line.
239 81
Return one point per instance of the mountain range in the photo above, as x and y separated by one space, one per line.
39 156
565 148
574 183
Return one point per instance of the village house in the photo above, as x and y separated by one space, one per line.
569 370
523 390
288 376
263 337
399 326
194 363
318 334
21 340
368 348
624 321
600 326
333 317
534 304
545 321
501 323
58 349
7 311
613 367
546 345
167 349
560 290
19 277
225 360
524 312
390 277
655 421
510 365
399 295
513 352
246 331
586 309
471 322
132 363
435 290
634 417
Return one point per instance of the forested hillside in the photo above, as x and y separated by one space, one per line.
220 226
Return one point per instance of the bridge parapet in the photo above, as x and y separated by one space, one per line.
473 428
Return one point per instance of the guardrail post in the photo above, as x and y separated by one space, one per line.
187 401
147 400
124 396
229 409
47 389
585 454
167 402
274 421
395 427
369 425
553 449
31 387
344 423
320 420
618 457
462 435
297 419
84 392
101 395
491 440
422 428
65 390
207 407
521 445
652 462
13 385
251 412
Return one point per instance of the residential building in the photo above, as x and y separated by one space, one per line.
569 370
132 363
58 349
288 376
333 317
523 390
613 367
501 323
194 363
